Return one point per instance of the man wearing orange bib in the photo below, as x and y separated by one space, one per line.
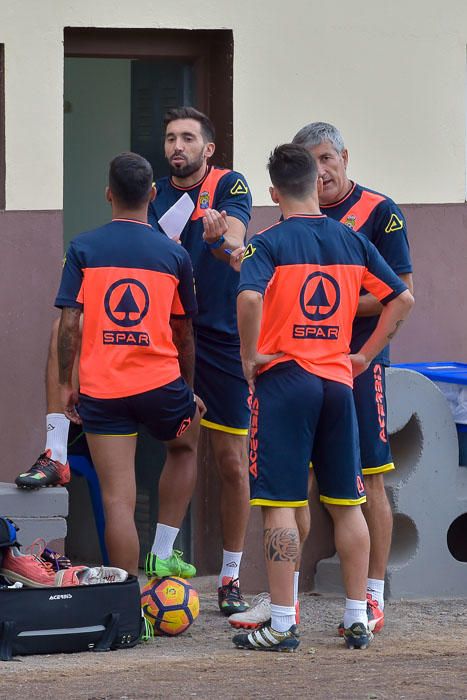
134 288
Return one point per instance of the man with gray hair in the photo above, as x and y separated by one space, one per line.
380 219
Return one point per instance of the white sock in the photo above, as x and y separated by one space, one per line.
296 575
230 566
375 587
57 425
355 611
164 540
282 617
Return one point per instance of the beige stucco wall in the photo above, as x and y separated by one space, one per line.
391 75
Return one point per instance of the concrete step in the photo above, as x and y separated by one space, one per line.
38 514
43 502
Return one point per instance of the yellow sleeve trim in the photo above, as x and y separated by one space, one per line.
277 504
379 470
224 428
343 501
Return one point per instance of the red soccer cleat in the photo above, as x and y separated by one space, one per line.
44 472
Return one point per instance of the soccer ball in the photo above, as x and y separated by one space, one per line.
170 605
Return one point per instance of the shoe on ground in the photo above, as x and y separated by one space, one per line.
88 576
28 569
172 566
375 616
258 613
229 597
267 639
357 636
44 472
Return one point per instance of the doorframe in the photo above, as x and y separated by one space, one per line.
2 128
210 51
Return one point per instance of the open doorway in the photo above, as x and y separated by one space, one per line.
117 86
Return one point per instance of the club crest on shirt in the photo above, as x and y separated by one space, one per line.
350 221
239 188
204 200
394 224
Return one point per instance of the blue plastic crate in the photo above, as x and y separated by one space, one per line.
451 373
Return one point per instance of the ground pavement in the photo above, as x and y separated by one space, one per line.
420 655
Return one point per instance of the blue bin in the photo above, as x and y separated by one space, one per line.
451 373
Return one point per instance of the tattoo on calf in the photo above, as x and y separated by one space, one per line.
281 544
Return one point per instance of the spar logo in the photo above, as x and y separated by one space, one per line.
126 303
320 298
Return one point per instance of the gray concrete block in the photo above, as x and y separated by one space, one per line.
47 529
428 492
15 502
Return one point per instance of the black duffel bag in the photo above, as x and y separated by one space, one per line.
73 618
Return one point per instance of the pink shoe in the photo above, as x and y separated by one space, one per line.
69 577
27 569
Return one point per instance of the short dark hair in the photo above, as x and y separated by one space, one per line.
292 170
130 178
207 127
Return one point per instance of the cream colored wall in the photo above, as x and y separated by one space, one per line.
390 75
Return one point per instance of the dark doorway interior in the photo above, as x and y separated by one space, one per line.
155 87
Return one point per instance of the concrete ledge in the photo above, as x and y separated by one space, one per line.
38 514
23 503
47 529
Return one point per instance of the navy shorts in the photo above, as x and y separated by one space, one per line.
370 403
166 412
219 381
295 414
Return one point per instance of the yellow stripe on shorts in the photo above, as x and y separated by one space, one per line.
224 428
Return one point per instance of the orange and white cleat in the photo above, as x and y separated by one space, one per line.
258 613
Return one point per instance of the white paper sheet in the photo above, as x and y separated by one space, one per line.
174 220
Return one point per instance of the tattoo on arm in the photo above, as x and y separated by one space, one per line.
398 325
281 544
68 340
182 335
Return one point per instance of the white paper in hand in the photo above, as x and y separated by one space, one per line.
174 220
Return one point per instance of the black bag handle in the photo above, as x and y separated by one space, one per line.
110 633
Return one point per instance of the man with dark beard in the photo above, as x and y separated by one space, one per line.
222 205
